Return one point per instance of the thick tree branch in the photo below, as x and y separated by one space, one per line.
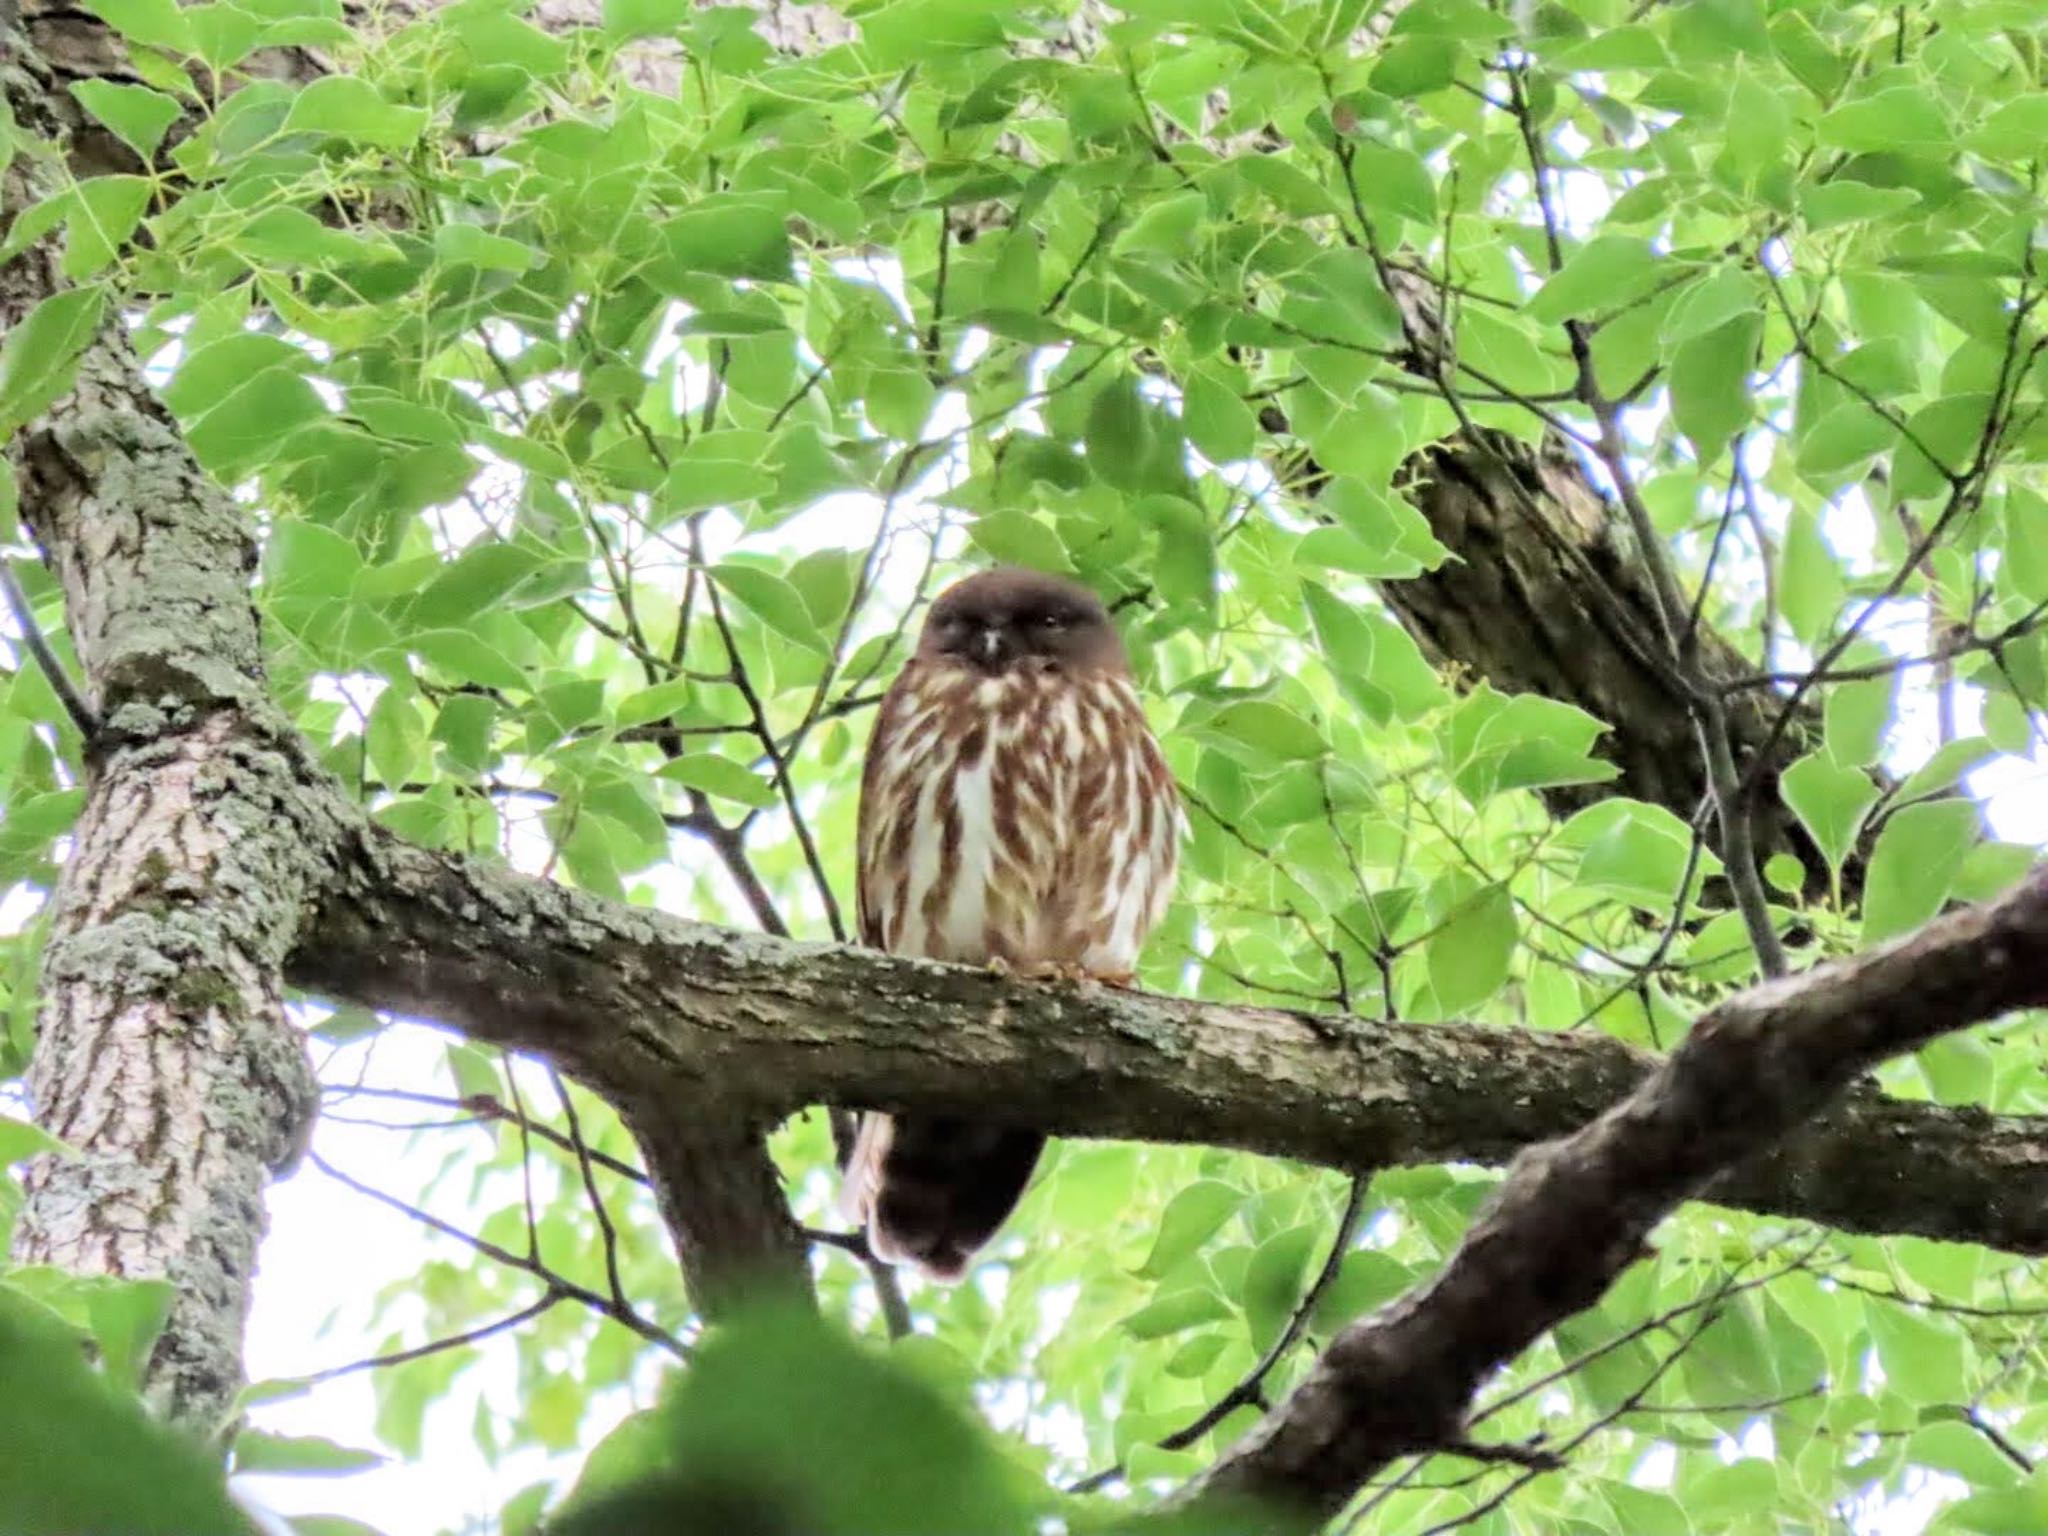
653 1012
1575 1213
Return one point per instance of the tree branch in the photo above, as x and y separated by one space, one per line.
655 1013
1575 1213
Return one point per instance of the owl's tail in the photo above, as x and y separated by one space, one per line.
932 1190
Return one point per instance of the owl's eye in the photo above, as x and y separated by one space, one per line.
1052 621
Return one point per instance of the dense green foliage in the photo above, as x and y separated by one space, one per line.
603 442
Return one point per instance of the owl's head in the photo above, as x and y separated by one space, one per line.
1012 618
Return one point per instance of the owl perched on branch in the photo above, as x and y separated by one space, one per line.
1015 811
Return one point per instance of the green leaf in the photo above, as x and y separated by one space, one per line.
1851 202
208 374
1858 715
259 1451
464 725
1845 438
1377 663
1263 731
729 235
1190 1219
1186 567
785 1422
480 577
1176 1313
65 1436
1217 420
1900 119
395 737
1498 742
245 428
1637 851
1727 293
1810 585
1166 226
153 23
1958 1449
1273 1282
302 559
1923 1358
2021 1511
469 657
1366 1279
719 468
20 1140
138 116
39 358
126 1317
1710 397
1830 799
1020 538
1124 439
2015 131
773 601
2023 560
480 248
1469 954
1397 536
1602 274
348 107
1916 860
721 778
1393 181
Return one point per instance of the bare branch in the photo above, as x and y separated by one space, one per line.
1574 1214
558 1286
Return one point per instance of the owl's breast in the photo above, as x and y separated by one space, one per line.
1016 818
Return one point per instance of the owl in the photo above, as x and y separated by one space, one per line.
1015 812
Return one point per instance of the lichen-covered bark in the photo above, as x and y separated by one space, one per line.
653 1011
1575 1213
164 1055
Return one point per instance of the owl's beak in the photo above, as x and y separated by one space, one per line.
990 645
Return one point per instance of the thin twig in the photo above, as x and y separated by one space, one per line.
590 1189
625 1316
32 639
549 1298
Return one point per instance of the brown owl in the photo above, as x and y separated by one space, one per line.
1015 811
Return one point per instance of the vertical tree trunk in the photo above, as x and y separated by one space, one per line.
164 1054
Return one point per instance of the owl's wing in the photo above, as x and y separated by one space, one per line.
872 823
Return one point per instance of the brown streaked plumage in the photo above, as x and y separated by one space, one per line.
1015 810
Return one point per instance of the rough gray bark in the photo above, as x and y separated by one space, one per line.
1575 1213
164 1054
654 1011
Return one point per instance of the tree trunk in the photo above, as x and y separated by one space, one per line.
164 1054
